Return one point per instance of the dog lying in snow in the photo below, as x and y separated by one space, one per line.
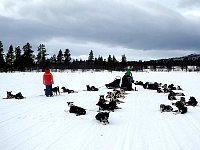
75 109
110 106
165 108
166 89
10 95
109 95
103 117
172 87
16 96
182 109
116 100
102 99
119 93
92 88
138 83
172 95
65 90
116 93
151 86
56 90
104 106
192 102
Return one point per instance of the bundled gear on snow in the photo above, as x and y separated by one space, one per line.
114 84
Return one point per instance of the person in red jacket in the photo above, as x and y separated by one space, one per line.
48 81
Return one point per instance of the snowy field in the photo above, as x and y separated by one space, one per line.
40 123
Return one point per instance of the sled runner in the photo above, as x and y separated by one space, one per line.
114 84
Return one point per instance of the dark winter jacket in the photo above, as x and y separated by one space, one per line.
126 84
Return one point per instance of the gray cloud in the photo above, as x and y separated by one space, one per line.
189 3
82 26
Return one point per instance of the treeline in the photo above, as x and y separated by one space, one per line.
17 59
183 64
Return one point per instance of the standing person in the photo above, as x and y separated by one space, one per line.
48 81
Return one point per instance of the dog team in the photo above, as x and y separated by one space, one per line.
110 104
181 103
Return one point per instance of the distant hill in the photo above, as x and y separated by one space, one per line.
189 57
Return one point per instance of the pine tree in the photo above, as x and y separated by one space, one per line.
123 61
114 59
41 56
99 62
10 58
114 62
53 61
28 57
110 62
18 59
60 59
91 56
2 61
100 59
67 57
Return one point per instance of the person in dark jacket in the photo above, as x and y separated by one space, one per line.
48 81
126 82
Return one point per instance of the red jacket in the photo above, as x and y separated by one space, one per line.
48 78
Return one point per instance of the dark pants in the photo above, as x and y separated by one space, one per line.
48 90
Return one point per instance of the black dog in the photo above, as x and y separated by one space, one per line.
151 86
75 109
181 107
16 96
19 96
171 87
65 90
102 99
10 95
104 106
92 88
111 106
171 96
103 117
165 108
56 90
159 90
192 102
138 83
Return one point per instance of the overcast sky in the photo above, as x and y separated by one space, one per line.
140 29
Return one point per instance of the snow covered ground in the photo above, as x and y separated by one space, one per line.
40 123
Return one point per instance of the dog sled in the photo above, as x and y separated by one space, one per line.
115 84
